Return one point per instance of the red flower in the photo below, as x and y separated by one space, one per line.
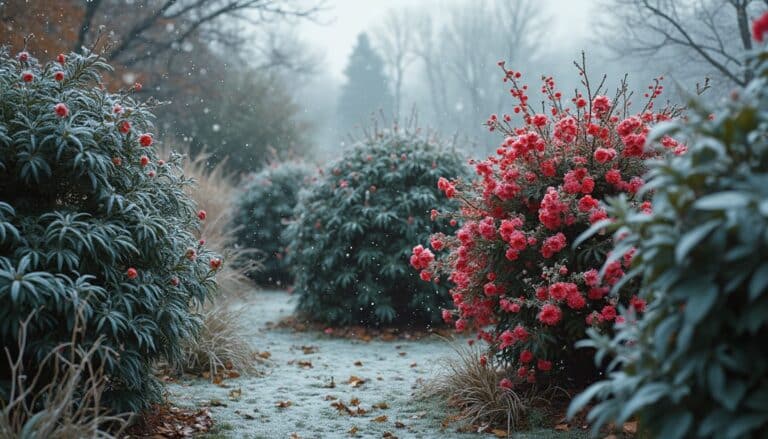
132 273
145 140
61 109
760 27
215 264
190 254
608 313
23 56
526 356
61 58
544 365
144 160
117 109
550 314
27 76
175 281
201 215
137 86
117 161
124 127
506 384
59 75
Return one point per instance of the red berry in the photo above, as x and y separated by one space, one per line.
137 86
27 76
201 215
117 161
61 109
132 273
145 140
61 58
59 76
144 160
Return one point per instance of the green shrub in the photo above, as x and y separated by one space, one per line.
91 220
262 209
696 363
350 242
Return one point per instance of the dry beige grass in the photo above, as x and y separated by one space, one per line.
68 407
474 390
214 191
221 345
222 340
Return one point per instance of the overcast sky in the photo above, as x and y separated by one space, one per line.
345 19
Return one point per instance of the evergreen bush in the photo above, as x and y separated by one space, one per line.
350 241
92 221
696 363
263 207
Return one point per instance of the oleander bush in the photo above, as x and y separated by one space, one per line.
696 363
350 241
515 275
263 207
92 221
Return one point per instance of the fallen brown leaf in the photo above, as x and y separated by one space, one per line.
305 364
388 435
402 354
630 427
358 363
309 349
399 424
380 418
354 401
562 427
217 403
330 398
283 404
499 432
234 394
233 374
265 355
356 381
381 405
353 431
413 364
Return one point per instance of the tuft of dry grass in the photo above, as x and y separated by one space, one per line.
220 346
473 388
69 406
222 341
214 192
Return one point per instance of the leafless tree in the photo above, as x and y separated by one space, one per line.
147 29
479 34
695 34
394 39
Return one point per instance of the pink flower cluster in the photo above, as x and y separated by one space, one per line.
516 277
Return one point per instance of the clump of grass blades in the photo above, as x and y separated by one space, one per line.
221 344
69 405
214 192
473 388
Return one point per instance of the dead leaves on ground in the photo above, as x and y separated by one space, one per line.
361 333
283 404
164 420
356 381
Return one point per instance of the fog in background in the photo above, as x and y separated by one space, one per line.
554 34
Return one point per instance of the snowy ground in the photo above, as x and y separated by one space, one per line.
308 373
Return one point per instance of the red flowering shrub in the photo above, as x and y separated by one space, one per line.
515 273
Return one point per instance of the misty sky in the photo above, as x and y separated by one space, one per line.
345 19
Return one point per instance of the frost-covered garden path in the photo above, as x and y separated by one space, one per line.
308 373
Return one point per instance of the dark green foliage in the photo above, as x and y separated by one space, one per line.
696 364
73 221
366 90
352 238
262 210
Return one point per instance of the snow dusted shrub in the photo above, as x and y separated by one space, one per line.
696 363
262 209
350 242
515 275
93 224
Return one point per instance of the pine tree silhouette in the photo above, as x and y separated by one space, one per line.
366 90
